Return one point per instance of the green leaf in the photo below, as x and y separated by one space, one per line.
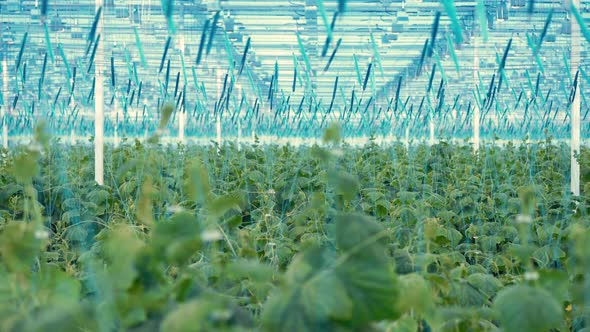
144 212
365 269
356 288
312 298
41 135
177 239
19 246
55 287
250 269
166 113
325 295
198 186
220 205
548 254
524 308
285 315
62 317
332 134
122 239
489 243
404 324
415 294
466 295
555 282
346 185
485 283
25 167
305 265
193 316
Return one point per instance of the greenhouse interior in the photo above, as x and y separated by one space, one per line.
297 165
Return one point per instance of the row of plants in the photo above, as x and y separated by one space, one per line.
284 238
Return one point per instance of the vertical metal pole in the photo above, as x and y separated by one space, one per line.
575 118
476 115
4 117
99 104
408 137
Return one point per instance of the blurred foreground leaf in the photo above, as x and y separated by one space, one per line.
524 308
321 294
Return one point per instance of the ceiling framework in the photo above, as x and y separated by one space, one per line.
386 36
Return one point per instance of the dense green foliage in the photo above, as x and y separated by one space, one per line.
333 238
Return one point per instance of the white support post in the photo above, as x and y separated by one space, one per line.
476 114
408 137
99 104
4 117
575 118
